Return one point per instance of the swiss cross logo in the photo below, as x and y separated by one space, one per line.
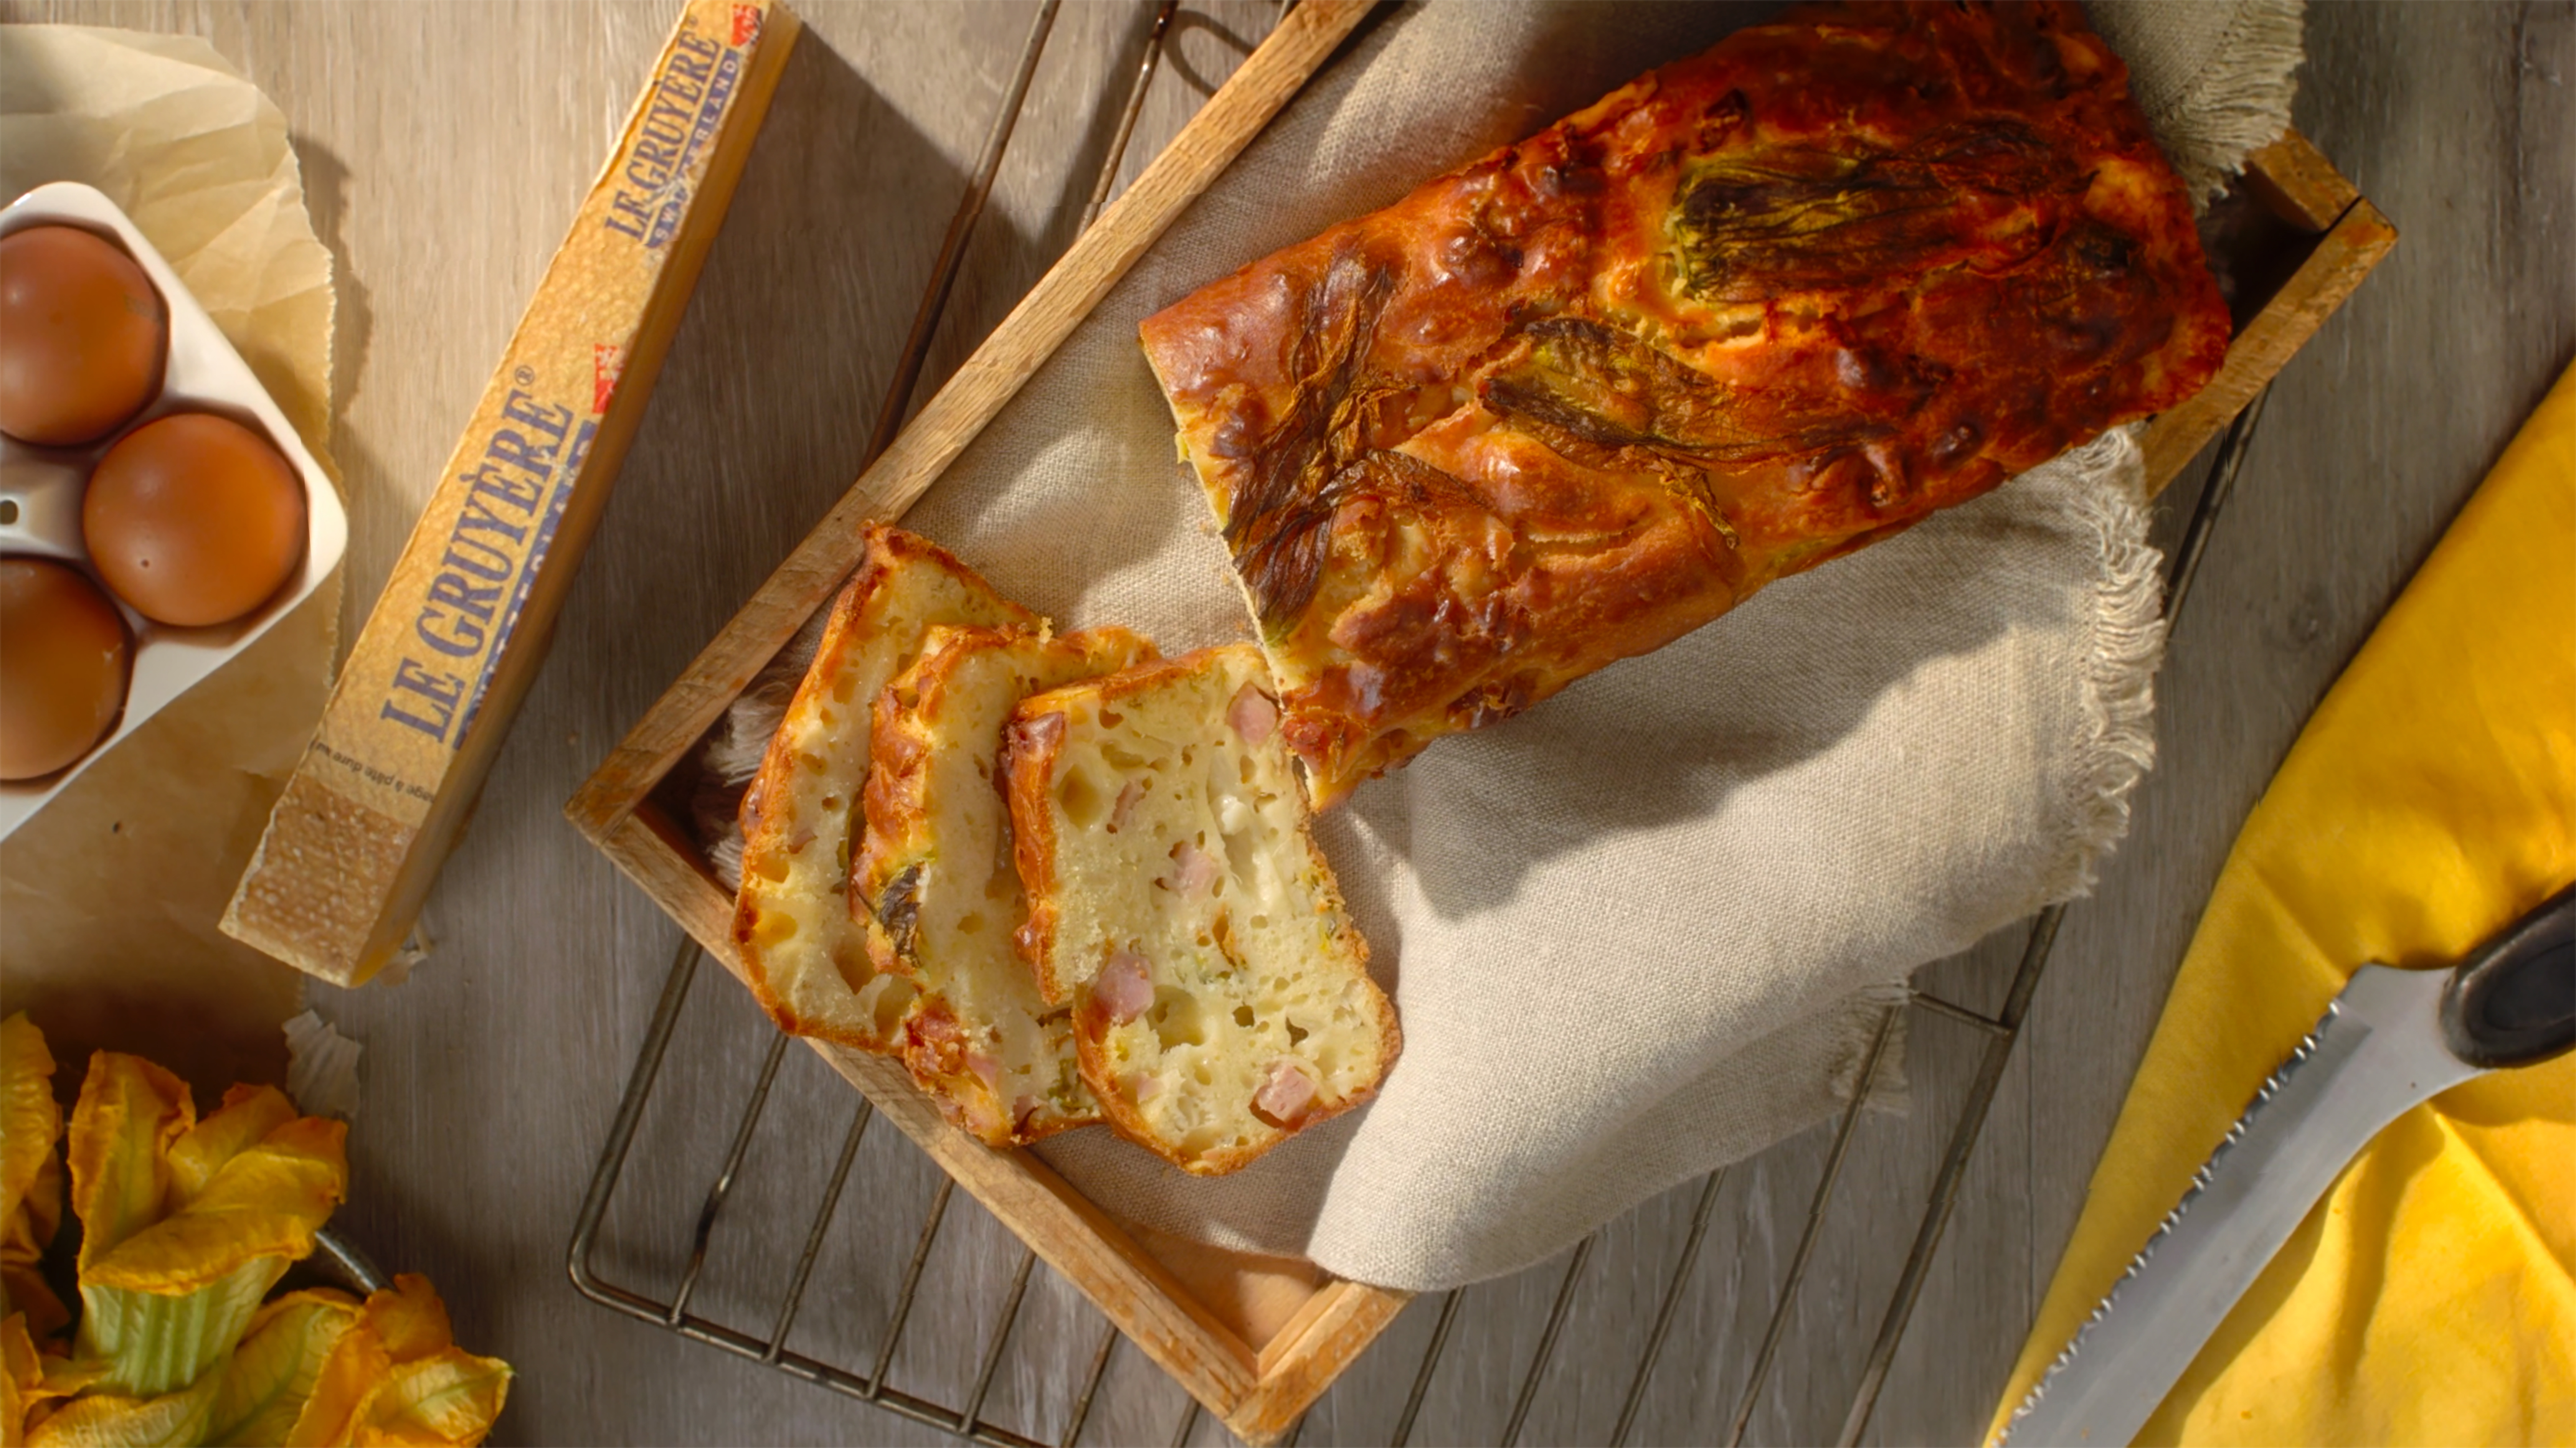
746 24
606 361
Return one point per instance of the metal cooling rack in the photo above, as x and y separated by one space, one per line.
966 1419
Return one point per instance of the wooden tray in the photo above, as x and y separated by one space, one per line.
1256 1340
2290 242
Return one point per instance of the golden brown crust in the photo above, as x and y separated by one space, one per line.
1745 314
1029 748
1235 966
932 880
775 836
763 834
897 806
938 1049
1119 1110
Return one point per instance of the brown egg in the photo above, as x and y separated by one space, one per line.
63 655
193 519
81 336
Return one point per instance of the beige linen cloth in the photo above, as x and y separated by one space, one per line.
1651 925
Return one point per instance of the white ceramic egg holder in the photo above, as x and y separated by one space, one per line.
40 489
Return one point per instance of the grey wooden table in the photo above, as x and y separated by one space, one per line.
444 147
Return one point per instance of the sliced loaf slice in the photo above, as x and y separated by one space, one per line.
805 956
937 888
1221 995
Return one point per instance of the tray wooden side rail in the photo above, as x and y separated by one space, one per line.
1257 1340
1285 1332
2313 210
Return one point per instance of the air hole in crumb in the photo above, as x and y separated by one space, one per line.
1081 800
1245 769
1121 758
1296 1033
1175 1015
1243 1017
1111 718
970 924
891 1002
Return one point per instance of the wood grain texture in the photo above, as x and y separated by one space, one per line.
1205 1331
2302 185
1338 1323
444 147
2299 180
1195 1309
1210 1355
969 401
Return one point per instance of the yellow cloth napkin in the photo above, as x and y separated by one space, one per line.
2431 1295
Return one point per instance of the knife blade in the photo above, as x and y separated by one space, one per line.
2391 1039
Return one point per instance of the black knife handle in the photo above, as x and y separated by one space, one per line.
2513 1003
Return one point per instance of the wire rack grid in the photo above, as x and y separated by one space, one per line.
966 1418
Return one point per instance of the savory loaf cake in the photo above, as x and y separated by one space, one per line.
805 956
936 886
1749 312
1221 995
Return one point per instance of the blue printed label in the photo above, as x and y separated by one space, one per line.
677 126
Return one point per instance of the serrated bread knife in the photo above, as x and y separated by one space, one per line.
2392 1039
